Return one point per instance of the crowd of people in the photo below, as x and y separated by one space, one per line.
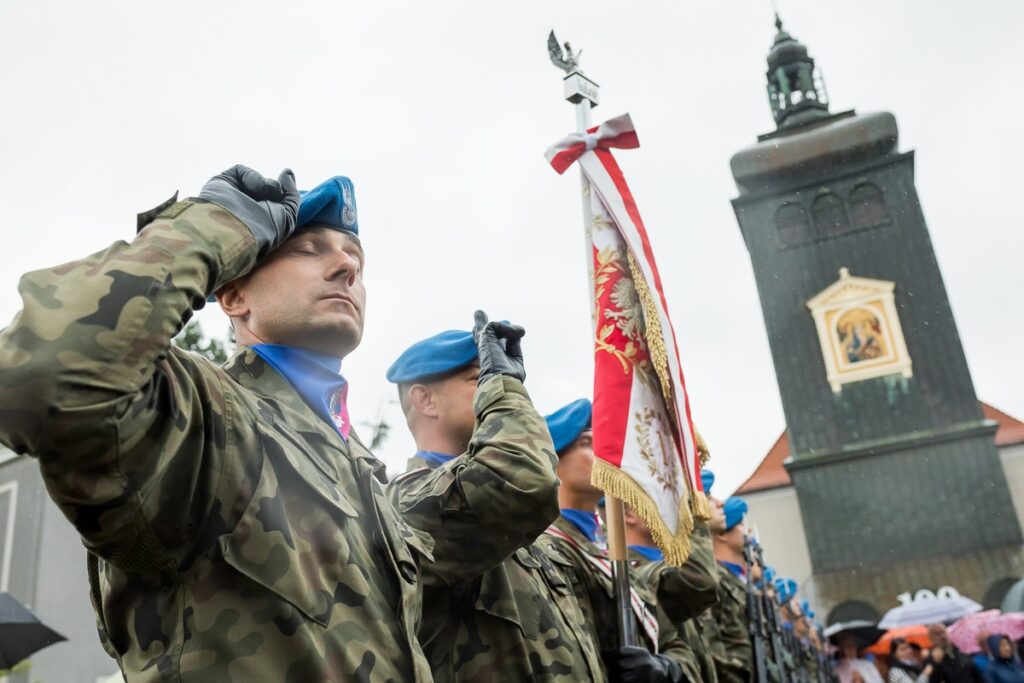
938 660
239 530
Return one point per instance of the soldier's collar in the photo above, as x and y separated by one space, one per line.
254 373
585 522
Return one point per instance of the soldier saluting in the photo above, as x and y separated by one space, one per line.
518 621
238 530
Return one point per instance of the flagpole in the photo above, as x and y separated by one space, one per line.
584 94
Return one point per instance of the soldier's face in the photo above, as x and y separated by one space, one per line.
307 293
453 398
734 537
717 523
575 464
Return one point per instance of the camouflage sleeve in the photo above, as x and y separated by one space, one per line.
496 498
89 385
672 644
687 591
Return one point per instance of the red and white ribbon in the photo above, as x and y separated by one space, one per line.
617 132
647 620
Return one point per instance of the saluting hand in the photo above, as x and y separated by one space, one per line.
268 207
501 352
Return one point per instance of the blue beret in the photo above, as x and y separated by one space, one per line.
734 509
567 423
707 480
331 203
785 589
769 574
441 354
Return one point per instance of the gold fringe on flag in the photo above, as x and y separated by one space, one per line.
652 331
676 547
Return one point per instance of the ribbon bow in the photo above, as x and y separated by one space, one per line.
617 132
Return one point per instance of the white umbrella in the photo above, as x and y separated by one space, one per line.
929 611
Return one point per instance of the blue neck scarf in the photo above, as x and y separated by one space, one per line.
434 459
652 554
734 569
586 522
314 375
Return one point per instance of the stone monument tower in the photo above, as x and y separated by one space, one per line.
896 471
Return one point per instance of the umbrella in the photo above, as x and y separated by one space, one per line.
21 632
917 635
929 611
1013 601
864 632
964 633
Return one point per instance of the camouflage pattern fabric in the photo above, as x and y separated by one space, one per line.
234 536
595 595
518 622
684 593
417 463
726 629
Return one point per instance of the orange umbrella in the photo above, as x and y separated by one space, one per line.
917 635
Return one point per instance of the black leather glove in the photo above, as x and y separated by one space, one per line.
499 346
631 664
268 207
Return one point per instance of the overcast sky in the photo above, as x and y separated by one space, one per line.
441 112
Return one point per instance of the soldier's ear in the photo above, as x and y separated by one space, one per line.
422 400
232 299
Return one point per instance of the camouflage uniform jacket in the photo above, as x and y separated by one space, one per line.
233 535
726 628
684 593
519 621
596 596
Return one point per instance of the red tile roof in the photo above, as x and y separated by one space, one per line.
1010 430
771 474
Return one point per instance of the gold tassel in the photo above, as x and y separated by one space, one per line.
701 507
702 448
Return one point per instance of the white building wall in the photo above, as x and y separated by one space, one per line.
775 516
42 564
1013 466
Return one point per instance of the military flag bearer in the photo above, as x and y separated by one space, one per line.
576 535
519 621
237 528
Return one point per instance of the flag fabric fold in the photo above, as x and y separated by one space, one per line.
644 441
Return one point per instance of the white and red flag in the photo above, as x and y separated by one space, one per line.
644 441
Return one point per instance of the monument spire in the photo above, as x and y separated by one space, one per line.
796 92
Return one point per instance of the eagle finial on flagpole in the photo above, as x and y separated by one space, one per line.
567 60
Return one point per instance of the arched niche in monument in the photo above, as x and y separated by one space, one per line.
867 206
791 224
829 213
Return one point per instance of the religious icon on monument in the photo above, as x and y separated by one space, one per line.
859 330
860 335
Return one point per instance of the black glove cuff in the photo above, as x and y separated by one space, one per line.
245 209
